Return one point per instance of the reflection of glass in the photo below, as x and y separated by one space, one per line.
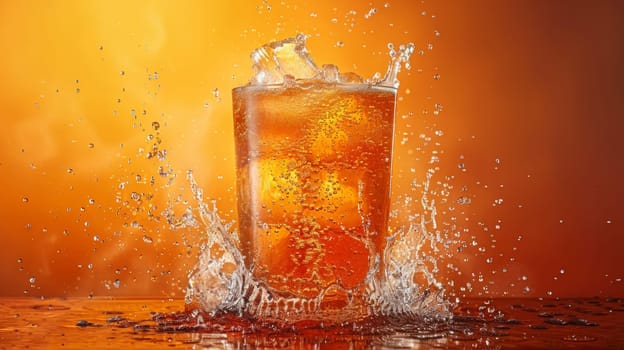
313 180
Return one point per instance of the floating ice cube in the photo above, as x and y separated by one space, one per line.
276 60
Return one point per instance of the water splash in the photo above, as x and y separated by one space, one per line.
397 59
221 283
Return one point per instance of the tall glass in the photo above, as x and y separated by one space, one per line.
313 183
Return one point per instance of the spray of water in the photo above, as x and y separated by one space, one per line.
220 282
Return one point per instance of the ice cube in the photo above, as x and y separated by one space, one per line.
279 189
274 61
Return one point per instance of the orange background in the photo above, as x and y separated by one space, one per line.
536 85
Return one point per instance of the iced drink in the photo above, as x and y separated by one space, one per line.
313 153
313 164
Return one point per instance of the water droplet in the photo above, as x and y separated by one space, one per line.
32 280
155 125
215 92
562 271
463 200
579 338
96 238
70 170
370 12
122 73
116 283
313 14
561 221
147 239
25 199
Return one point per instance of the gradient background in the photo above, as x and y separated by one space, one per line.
519 102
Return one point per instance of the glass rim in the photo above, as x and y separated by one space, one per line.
308 85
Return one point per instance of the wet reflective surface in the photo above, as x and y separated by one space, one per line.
583 323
